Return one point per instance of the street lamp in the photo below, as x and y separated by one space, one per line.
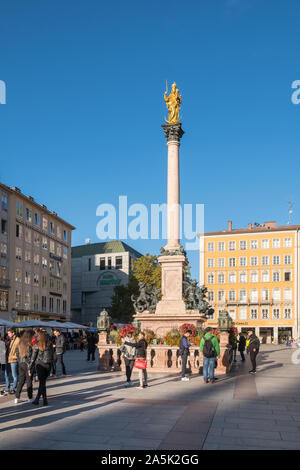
224 321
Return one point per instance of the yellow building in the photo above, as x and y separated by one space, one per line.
253 274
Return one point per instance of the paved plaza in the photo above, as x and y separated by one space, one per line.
91 410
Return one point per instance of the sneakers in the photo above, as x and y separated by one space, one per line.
252 371
128 384
140 387
206 381
212 381
185 379
30 400
17 400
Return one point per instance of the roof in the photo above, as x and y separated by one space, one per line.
91 249
253 230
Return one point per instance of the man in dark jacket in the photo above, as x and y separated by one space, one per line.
91 346
253 349
59 348
184 351
242 346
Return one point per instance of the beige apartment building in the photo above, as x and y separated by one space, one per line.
253 273
35 261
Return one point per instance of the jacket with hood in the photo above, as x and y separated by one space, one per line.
128 351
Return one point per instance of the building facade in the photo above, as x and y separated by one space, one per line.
96 269
35 259
253 273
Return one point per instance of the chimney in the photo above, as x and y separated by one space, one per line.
229 225
270 224
250 226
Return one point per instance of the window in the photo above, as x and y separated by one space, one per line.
254 295
276 277
265 244
254 260
51 283
276 294
51 265
65 252
44 282
51 227
36 279
57 305
265 276
3 250
4 203
231 246
19 231
265 294
3 300
35 302
65 287
37 220
36 260
58 268
44 263
276 259
243 245
109 263
51 301
276 242
243 313
90 264
287 259
45 223
243 295
36 240
58 231
52 246
243 261
210 296
210 263
265 314
232 262
232 277
44 303
221 296
18 275
27 277
265 260
27 301
58 286
254 244
221 262
45 243
28 236
28 215
276 313
210 278
65 235
287 294
243 277
64 306
232 296
221 278
221 246
287 314
83 298
211 246
253 314
18 298
58 250
287 243
19 253
19 209
287 276
4 227
119 262
27 256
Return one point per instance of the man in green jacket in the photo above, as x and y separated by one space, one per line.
209 346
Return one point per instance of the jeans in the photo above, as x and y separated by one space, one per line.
91 352
129 363
209 368
24 377
11 369
58 358
143 376
183 362
234 354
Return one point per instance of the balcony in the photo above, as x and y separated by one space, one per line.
4 283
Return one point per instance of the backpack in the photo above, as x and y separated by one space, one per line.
208 348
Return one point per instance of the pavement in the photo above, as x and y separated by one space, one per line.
92 410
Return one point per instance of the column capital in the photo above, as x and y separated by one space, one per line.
173 132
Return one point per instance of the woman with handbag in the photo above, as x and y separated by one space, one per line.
140 361
42 357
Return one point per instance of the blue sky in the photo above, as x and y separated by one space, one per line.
85 83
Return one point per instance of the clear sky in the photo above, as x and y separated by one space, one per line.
85 82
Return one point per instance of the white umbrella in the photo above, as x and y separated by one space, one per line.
6 323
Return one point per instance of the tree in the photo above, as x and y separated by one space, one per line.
148 270
121 304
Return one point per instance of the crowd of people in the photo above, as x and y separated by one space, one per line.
36 354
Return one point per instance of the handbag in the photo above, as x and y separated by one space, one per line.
140 363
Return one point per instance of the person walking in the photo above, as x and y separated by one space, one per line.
24 354
91 346
253 349
11 367
41 359
242 346
59 348
209 345
141 355
129 356
184 351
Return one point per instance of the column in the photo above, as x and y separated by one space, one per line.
275 334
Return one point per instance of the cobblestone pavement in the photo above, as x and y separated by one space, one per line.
93 410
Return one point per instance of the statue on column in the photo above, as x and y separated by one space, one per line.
173 102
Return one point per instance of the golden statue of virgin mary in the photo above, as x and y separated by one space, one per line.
173 102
